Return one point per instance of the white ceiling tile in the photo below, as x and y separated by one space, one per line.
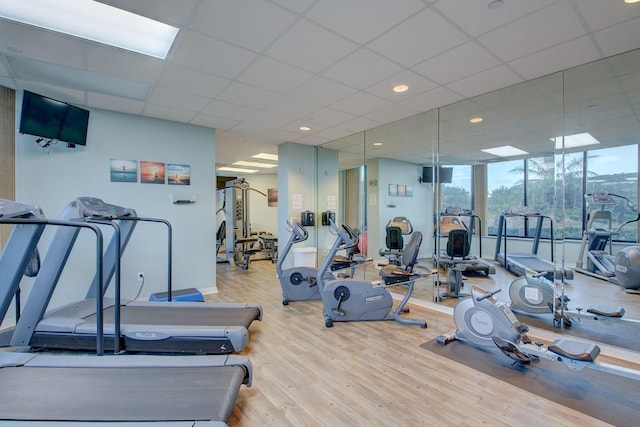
563 56
171 12
391 112
322 91
359 124
431 99
620 38
360 103
309 46
168 113
362 20
410 42
105 60
264 118
525 35
177 99
485 82
46 46
331 134
273 75
475 18
227 110
362 69
330 117
457 63
297 6
292 107
203 53
416 83
6 82
252 24
114 103
250 96
602 14
192 81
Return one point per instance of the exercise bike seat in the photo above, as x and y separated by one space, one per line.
606 311
575 350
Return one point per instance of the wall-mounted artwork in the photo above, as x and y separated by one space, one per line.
272 197
393 190
123 170
178 174
152 172
401 190
408 191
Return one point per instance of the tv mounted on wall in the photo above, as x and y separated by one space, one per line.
444 175
48 118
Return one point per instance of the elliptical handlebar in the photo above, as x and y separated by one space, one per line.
487 295
301 233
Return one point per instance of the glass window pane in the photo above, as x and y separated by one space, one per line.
457 193
505 186
541 192
615 170
573 195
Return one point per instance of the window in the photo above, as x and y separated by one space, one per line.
458 193
505 188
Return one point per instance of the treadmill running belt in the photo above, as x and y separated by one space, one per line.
119 394
180 316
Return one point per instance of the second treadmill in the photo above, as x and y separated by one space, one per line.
154 327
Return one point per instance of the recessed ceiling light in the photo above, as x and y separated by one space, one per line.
265 156
505 151
576 140
240 170
476 120
95 21
495 4
631 1
304 128
377 144
400 88
255 164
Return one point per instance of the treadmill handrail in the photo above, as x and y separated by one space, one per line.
99 265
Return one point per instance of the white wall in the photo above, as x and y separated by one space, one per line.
262 217
51 180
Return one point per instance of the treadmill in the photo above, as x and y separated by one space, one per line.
150 327
518 262
118 390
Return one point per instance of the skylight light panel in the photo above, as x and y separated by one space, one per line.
505 151
94 21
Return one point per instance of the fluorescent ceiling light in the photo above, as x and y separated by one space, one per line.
265 156
94 21
240 170
255 164
505 151
576 140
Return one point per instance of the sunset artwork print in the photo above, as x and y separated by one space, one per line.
123 170
152 172
178 174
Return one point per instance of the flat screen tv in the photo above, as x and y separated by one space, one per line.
48 118
444 174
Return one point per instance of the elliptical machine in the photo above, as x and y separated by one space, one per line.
347 300
533 293
483 321
623 268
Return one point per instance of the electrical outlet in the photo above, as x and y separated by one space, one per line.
141 276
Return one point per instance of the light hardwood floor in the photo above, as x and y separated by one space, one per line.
365 373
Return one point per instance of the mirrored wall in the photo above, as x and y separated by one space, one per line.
515 168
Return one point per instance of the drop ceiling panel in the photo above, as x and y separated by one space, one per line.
249 96
177 99
619 39
309 46
117 62
526 35
417 84
362 20
461 61
273 75
322 91
228 110
192 81
412 41
601 14
484 81
251 24
114 103
204 53
362 69
360 103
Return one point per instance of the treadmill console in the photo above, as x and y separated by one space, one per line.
602 199
92 207
11 209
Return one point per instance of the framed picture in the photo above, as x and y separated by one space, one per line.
401 190
272 197
152 172
408 191
393 190
178 174
123 170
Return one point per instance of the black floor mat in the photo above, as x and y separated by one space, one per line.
608 397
